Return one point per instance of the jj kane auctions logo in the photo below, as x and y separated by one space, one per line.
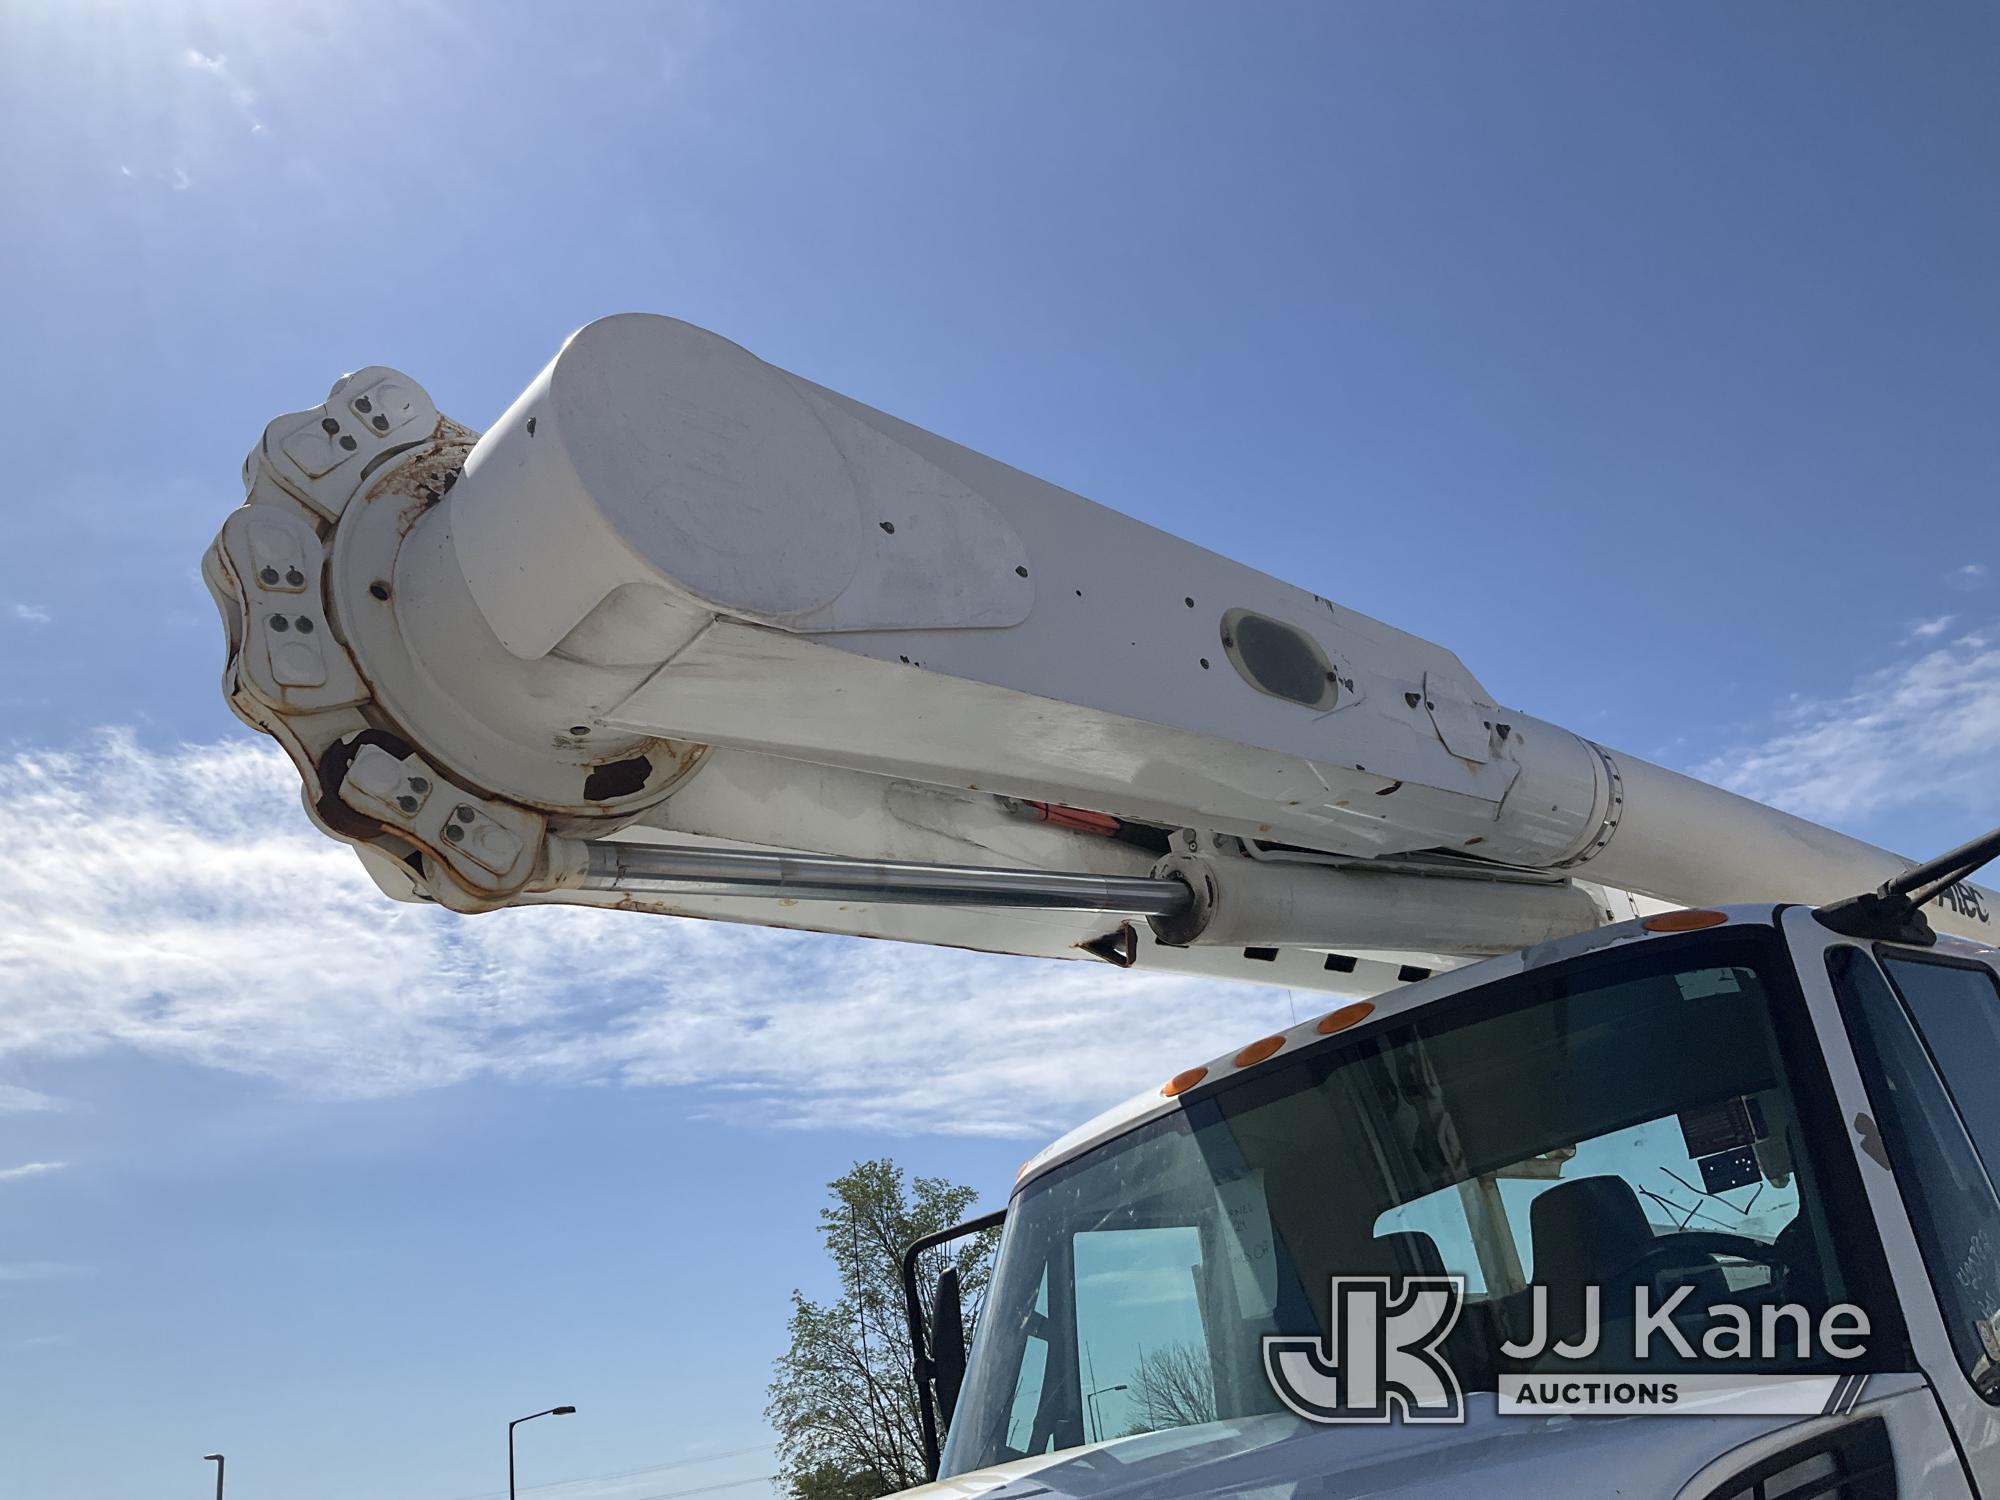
1383 1356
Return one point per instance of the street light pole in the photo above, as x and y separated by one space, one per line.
218 1461
553 1411
1090 1401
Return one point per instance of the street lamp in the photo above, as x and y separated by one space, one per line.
217 1460
1091 1402
553 1411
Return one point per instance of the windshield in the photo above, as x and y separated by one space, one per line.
1557 1129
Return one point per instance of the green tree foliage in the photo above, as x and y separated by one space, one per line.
843 1401
829 1481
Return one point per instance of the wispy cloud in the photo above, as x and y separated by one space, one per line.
1847 757
175 176
30 1169
240 96
16 1100
1926 630
1968 578
30 614
43 1270
177 903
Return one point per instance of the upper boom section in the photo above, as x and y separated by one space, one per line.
675 589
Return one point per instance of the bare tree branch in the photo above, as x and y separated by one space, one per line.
1173 1387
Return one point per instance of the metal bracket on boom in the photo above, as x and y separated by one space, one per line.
1894 913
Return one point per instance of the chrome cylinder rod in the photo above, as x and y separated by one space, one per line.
818 877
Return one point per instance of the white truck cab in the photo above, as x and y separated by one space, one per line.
1737 1109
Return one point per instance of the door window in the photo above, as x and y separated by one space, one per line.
1944 1186
1957 1010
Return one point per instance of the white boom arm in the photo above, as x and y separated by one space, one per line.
682 597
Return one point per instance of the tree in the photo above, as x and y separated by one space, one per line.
843 1399
1173 1387
828 1481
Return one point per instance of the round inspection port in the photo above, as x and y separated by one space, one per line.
1280 659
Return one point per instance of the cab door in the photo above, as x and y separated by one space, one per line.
1911 1039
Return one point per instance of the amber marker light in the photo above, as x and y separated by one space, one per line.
1684 921
1346 1016
1181 1082
1257 1051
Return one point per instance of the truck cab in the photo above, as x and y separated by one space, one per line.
1761 1143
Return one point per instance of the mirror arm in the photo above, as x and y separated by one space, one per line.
920 1359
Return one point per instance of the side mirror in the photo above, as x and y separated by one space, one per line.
947 1344
929 1366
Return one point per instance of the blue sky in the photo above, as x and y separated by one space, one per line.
1646 356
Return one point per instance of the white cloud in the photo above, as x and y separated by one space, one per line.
1969 577
179 904
241 97
15 1100
31 614
1924 630
30 1169
1926 730
43 1270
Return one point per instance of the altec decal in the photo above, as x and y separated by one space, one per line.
1964 900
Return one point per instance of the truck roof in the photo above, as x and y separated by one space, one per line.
1264 1051
1410 997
